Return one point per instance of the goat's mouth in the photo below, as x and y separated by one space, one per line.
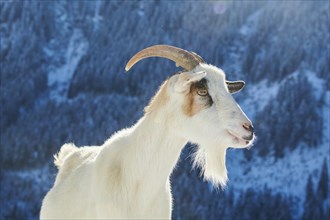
238 139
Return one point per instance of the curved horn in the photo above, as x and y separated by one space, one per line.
183 58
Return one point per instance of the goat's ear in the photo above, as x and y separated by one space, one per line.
235 86
185 79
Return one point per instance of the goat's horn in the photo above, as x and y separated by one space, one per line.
183 58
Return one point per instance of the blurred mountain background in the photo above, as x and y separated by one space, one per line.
63 80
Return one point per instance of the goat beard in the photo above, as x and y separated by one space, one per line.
212 162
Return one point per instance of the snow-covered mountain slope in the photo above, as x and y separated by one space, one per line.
62 80
59 78
287 175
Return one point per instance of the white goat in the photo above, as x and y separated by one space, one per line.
128 176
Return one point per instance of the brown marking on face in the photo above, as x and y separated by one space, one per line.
159 100
195 103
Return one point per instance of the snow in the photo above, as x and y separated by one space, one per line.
286 174
220 7
258 96
59 79
249 27
97 19
39 175
283 175
317 82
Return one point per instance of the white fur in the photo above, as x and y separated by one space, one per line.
128 176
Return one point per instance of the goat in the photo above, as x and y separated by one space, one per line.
128 176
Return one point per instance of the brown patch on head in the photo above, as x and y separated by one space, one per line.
195 103
159 100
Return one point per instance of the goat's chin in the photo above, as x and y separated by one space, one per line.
212 161
236 142
241 145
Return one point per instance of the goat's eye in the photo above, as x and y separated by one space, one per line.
202 92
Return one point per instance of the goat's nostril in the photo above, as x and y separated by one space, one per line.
248 127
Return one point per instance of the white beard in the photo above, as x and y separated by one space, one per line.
212 161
